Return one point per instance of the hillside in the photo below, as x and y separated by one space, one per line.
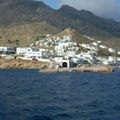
79 38
75 36
25 34
84 22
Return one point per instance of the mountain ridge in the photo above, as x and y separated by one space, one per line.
84 22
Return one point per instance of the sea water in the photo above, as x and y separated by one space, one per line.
31 95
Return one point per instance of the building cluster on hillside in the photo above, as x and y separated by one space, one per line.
64 52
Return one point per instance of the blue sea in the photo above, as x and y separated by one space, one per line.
31 95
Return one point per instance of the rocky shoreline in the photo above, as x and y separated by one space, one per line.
44 67
21 64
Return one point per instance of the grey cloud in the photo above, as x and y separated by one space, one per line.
104 8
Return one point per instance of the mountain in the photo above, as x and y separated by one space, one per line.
20 12
24 34
88 21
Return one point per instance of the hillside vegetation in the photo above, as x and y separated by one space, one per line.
25 34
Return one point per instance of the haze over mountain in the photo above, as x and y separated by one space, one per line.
20 12
104 8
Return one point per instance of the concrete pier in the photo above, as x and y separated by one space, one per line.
104 69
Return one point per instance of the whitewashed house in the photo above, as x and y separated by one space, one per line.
86 46
33 53
112 59
103 46
86 56
62 62
111 50
67 37
118 52
70 53
23 51
118 59
99 41
59 50
3 49
95 44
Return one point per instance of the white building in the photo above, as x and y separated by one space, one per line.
111 50
87 46
103 46
70 53
62 62
95 44
118 53
67 38
3 49
59 50
86 56
23 51
33 53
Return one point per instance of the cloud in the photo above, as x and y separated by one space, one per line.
104 8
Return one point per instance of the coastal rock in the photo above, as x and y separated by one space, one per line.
21 64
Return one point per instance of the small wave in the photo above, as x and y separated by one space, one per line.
40 118
98 112
10 94
117 107
53 108
63 115
26 110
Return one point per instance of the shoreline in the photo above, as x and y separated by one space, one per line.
102 69
44 68
21 64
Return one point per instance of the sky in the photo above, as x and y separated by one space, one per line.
105 8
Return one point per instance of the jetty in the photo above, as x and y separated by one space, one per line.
104 69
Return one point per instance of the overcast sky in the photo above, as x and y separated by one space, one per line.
105 8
